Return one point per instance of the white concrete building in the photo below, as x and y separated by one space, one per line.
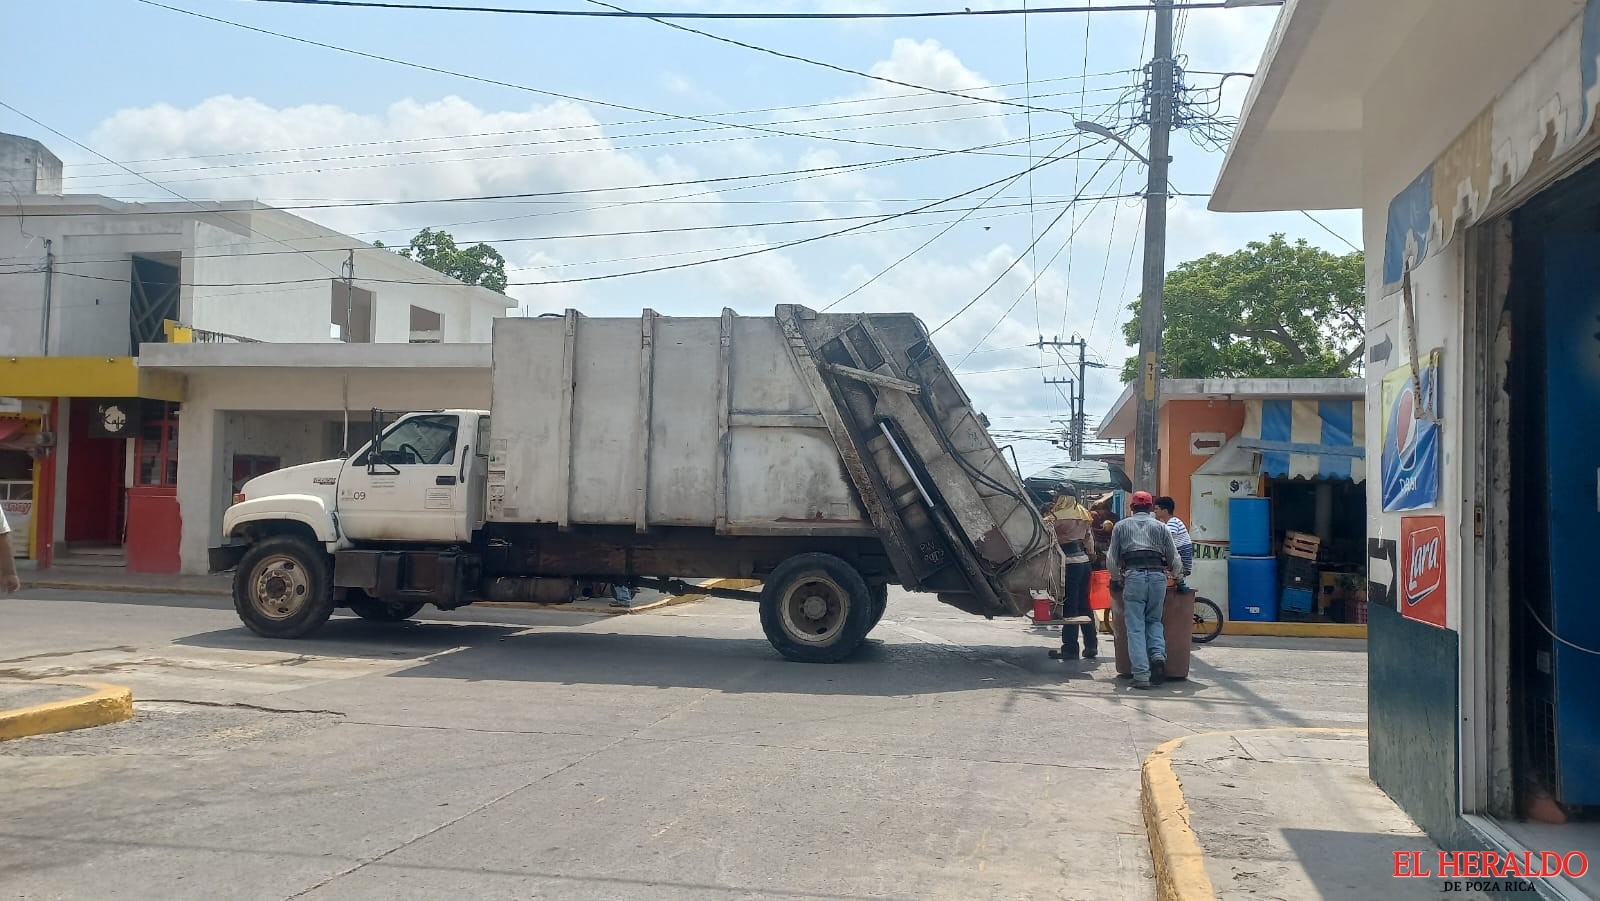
150 314
1468 133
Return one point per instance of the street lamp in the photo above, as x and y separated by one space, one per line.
1095 128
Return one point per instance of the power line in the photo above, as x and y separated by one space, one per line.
479 198
434 156
616 13
641 232
437 70
924 245
655 269
1330 231
1038 273
826 65
1004 272
630 122
1027 75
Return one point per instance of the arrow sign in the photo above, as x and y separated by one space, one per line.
1379 353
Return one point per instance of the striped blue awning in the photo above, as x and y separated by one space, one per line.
1307 439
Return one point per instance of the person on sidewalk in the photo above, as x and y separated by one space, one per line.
1166 511
1075 534
9 582
1140 555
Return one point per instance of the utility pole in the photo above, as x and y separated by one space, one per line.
1078 423
49 278
1152 296
349 295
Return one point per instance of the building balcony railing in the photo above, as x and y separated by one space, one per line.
178 333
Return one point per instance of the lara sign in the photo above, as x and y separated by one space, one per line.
1421 564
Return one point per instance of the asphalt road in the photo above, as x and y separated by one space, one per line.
546 754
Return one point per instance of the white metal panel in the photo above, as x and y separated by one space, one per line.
779 477
525 482
762 372
683 425
607 424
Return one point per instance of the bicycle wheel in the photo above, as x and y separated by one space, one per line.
1207 620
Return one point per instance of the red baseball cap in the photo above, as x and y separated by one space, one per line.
1143 499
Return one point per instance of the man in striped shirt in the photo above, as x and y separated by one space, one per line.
1166 509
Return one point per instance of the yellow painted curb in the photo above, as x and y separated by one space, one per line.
106 704
1180 865
1296 630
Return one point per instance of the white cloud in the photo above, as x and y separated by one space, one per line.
928 117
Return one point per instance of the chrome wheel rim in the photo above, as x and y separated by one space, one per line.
813 610
280 587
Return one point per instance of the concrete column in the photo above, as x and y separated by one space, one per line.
202 484
63 451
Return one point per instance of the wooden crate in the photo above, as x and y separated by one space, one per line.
1300 544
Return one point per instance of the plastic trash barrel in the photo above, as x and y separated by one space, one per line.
1177 621
1253 589
1100 590
1249 527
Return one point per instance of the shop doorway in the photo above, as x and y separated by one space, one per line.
95 470
1553 451
154 519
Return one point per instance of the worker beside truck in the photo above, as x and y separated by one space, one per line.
1139 557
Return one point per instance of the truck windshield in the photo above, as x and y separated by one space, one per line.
419 441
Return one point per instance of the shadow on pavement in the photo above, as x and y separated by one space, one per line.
484 651
1361 864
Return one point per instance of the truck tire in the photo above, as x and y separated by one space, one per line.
369 607
880 603
815 608
282 588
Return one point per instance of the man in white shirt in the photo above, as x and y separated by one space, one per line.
8 564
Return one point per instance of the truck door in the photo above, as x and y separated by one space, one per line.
407 486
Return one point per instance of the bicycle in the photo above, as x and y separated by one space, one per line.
1208 620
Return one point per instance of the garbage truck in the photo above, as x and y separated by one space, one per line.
825 455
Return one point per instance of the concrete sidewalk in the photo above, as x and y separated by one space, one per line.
1278 813
115 578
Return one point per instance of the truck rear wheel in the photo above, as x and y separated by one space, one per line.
369 607
282 588
815 608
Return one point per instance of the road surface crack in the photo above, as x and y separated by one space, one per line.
239 704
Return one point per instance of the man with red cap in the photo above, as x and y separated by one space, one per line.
1139 556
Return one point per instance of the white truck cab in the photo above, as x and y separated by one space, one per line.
424 482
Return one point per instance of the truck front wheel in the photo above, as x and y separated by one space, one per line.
282 588
816 608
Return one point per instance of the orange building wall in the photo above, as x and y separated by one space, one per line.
1181 419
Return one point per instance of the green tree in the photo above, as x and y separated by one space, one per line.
479 264
1272 309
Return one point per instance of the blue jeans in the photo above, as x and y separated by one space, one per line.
1144 598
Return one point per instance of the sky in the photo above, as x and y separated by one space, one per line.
651 148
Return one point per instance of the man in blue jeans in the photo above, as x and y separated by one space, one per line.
1139 556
